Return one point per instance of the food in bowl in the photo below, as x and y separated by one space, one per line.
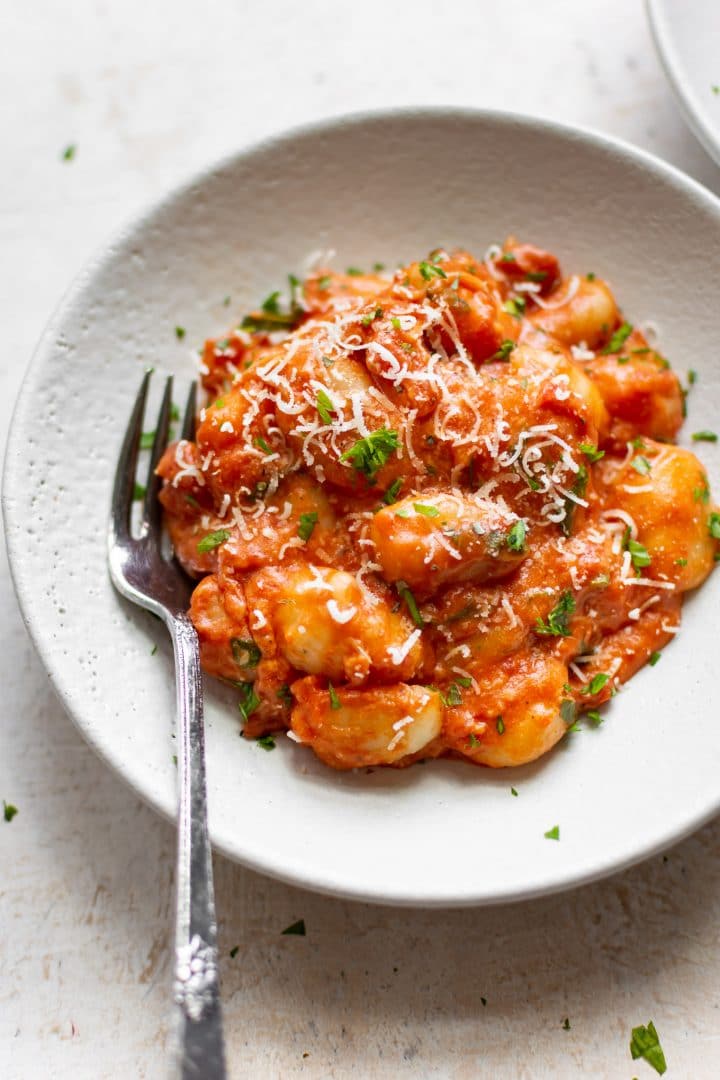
436 512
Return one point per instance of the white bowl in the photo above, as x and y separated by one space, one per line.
686 36
380 187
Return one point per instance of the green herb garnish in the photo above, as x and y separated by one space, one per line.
704 436
653 659
714 526
504 351
392 492
213 540
69 152
646 1044
428 270
334 699
368 455
591 452
618 339
9 811
553 834
516 537
426 510
515 306
596 684
500 725
296 928
246 653
641 465
267 742
248 703
307 524
558 618
403 591
638 553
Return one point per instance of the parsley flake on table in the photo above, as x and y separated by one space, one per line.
267 742
566 1024
513 791
234 951
704 436
307 524
558 618
368 455
146 440
179 332
297 928
654 657
213 540
69 152
645 1043
9 811
553 834
138 491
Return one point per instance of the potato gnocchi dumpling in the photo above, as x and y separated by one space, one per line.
437 511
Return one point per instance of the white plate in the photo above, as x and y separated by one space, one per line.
687 36
375 188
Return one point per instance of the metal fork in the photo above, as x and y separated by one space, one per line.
142 574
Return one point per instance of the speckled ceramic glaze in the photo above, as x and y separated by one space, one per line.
687 36
374 188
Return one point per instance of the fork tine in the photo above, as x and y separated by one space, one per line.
124 485
152 510
188 426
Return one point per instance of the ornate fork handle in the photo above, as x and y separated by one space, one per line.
200 1036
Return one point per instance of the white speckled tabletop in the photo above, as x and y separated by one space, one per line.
147 93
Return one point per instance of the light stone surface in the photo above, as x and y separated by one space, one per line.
149 93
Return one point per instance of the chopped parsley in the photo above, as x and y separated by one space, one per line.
591 452
248 703
263 445
9 811
376 314
139 491
296 928
392 492
504 351
426 510
714 526
368 455
536 275
681 562
396 323
284 694
403 590
558 618
566 1024
704 436
500 725
324 282
701 494
245 652
354 271
213 540
516 537
513 791
596 683
553 834
473 740
267 742
645 1043
334 699
638 553
271 304
179 332
692 377
618 339
428 270
146 440
378 267
594 717
590 276
515 306
453 696
567 710
654 657
69 152
324 406
641 465
234 951
307 524
507 256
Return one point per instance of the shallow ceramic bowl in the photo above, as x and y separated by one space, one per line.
686 36
384 187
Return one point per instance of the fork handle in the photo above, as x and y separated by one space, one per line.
200 1044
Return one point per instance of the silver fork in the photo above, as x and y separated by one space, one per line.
142 574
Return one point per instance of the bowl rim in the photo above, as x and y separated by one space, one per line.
672 66
12 483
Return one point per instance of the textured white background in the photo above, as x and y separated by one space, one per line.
149 92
